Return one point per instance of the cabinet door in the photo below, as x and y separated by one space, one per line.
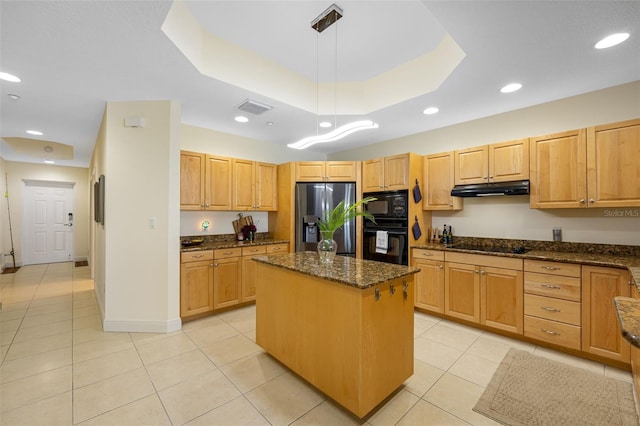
612 165
218 186
558 170
373 175
601 333
341 171
429 285
472 165
396 172
462 291
192 171
509 161
243 184
226 282
196 288
310 171
266 187
502 299
250 272
438 181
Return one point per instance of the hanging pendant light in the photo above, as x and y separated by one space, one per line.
327 18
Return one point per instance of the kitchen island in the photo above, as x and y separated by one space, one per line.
346 327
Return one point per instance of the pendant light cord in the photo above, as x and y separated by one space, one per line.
335 84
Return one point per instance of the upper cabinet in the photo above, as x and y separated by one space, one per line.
205 182
593 167
254 185
500 162
386 174
613 165
438 181
326 171
558 170
208 182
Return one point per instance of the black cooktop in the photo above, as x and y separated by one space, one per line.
491 249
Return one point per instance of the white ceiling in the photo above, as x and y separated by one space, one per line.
74 56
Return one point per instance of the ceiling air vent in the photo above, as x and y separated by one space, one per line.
253 107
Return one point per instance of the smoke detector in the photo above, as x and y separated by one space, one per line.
253 107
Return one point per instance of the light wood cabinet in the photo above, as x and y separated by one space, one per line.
430 280
227 275
192 180
250 272
254 185
601 334
196 283
438 180
386 174
593 167
326 171
485 289
552 308
613 169
499 162
205 182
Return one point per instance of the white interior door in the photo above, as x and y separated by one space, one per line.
48 222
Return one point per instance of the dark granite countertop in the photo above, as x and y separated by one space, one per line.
604 258
629 316
357 273
213 245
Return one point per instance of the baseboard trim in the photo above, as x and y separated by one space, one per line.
143 326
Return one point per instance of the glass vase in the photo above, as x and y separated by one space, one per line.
327 248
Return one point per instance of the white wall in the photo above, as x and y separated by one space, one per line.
141 168
511 217
223 144
16 172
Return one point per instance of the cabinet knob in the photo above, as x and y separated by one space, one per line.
591 200
441 267
550 268
582 200
215 265
551 286
549 309
482 272
549 332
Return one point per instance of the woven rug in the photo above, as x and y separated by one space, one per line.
531 390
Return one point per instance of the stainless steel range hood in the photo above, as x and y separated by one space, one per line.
520 187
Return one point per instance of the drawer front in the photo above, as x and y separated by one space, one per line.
254 251
553 332
436 255
484 260
195 256
277 248
559 286
552 309
225 253
554 268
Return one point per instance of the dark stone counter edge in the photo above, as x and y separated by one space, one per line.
231 244
628 310
361 286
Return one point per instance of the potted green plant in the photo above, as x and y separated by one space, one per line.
334 220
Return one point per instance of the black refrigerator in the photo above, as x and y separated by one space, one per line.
312 199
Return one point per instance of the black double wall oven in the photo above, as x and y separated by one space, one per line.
387 240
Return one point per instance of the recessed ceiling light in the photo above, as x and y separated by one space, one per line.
269 123
49 161
611 40
47 149
324 124
430 110
35 132
512 87
14 96
9 77
241 119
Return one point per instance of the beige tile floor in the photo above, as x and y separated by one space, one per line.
59 368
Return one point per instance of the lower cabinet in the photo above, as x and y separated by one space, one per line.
221 278
552 302
485 289
430 280
601 333
196 282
